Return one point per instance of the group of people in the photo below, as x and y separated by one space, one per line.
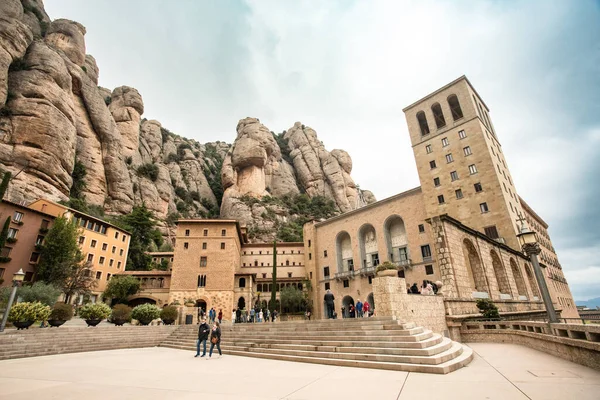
206 332
212 315
428 288
360 310
256 314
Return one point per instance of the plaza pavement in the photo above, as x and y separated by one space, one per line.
498 371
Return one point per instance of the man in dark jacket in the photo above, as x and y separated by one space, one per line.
203 332
329 303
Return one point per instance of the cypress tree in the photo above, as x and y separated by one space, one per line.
274 287
4 232
4 184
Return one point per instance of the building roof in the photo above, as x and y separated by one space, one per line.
74 211
370 206
215 221
161 253
533 213
25 207
270 244
444 88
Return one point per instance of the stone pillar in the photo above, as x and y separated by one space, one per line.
388 292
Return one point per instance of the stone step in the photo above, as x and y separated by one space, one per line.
443 368
22 353
375 338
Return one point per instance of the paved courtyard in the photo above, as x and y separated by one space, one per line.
499 371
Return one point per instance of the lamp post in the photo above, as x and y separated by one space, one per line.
17 279
530 246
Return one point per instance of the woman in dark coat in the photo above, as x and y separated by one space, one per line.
215 339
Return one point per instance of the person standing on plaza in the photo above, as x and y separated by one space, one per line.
329 299
260 316
252 315
220 316
359 309
266 315
203 332
215 339
233 314
366 307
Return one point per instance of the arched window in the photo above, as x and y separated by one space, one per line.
455 107
423 123
521 289
243 282
500 273
474 266
438 115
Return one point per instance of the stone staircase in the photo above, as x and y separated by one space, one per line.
48 341
380 343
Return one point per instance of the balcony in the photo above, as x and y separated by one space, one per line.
403 263
368 270
344 275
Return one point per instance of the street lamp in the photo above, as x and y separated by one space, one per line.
17 279
530 246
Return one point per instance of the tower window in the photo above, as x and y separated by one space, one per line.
327 286
467 151
204 245
454 175
449 158
428 148
455 107
436 182
324 253
478 187
186 245
423 123
484 207
346 283
462 134
432 164
326 272
459 193
421 228
491 232
429 269
438 115
441 199
187 232
426 252
445 142
205 232
203 261
222 246
472 169
201 280
223 232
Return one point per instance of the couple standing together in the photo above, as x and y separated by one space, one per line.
204 332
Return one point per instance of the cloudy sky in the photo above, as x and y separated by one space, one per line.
347 68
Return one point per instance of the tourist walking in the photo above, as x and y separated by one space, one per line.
329 300
359 309
203 332
352 311
266 315
233 317
238 315
252 315
215 339
260 316
366 308
220 316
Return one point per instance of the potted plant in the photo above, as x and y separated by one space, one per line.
145 313
387 269
121 313
61 313
23 315
169 314
94 313
189 302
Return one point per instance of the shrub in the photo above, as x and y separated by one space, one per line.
120 287
121 311
26 311
169 313
145 313
488 308
95 311
385 265
61 312
84 68
39 292
149 170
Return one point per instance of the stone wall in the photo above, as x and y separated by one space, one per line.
393 301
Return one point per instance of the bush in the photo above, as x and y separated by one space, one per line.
121 311
44 293
385 265
145 313
95 311
26 311
488 308
149 170
61 312
120 287
169 313
172 157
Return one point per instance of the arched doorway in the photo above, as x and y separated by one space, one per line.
201 304
139 301
346 301
474 268
371 301
521 289
241 303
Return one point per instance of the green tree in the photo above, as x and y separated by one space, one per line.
142 226
119 288
4 232
274 286
80 279
44 293
292 298
4 184
59 253
78 175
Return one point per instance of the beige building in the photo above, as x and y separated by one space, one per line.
458 228
105 246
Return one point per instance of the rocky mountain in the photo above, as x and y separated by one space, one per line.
67 139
